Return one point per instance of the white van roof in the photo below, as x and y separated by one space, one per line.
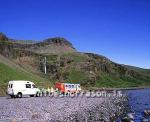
23 81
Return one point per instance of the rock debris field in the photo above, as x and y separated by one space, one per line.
61 109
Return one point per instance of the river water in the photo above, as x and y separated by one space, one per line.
139 100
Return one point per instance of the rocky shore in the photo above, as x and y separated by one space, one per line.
61 109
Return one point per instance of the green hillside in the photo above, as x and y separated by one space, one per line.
8 73
144 71
26 61
94 71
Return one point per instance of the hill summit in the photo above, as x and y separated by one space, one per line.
52 45
57 45
3 37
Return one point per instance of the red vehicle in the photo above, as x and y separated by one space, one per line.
67 87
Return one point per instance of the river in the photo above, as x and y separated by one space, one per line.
139 100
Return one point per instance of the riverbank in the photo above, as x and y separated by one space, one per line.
61 109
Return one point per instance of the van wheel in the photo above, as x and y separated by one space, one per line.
19 95
12 96
63 93
31 95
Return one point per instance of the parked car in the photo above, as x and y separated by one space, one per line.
20 88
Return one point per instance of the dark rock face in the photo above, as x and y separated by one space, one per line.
108 66
58 41
5 46
52 46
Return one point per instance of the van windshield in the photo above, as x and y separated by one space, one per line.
10 85
34 86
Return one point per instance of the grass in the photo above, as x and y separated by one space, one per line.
76 57
120 82
8 73
51 58
76 76
71 73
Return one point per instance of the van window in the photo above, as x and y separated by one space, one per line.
28 85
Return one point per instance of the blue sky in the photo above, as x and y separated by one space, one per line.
117 29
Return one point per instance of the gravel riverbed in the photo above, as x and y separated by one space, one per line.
64 109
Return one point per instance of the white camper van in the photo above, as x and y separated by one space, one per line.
20 88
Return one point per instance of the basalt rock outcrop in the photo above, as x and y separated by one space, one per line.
48 46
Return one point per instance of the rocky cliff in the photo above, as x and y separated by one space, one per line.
48 46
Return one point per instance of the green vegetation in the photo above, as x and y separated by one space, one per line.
120 82
64 64
113 82
7 73
51 58
76 76
77 57
72 72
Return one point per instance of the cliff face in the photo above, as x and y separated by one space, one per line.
5 47
65 64
49 46
52 46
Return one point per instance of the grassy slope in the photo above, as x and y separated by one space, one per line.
123 82
13 72
107 80
144 71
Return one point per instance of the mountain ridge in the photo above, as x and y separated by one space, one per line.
49 45
65 64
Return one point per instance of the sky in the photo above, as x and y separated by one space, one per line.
117 29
